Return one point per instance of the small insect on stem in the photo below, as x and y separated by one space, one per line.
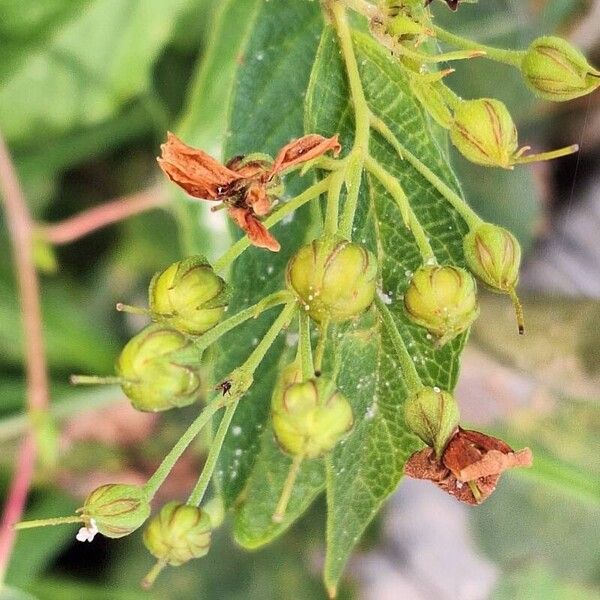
224 386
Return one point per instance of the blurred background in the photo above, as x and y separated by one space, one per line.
87 90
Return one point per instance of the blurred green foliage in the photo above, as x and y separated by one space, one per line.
87 90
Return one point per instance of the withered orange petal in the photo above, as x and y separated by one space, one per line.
198 173
304 149
496 462
257 233
256 197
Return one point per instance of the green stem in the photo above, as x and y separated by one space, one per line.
288 488
410 218
248 368
152 575
320 350
290 206
466 212
333 203
305 346
94 380
361 109
173 456
364 8
353 181
252 312
411 376
133 310
508 57
45 522
200 488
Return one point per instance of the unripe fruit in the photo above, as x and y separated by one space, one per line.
493 254
557 71
188 295
178 533
160 369
310 418
443 299
334 279
433 415
116 509
483 131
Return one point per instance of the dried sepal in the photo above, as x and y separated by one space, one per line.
470 467
247 186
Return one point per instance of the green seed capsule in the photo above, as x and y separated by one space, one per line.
335 280
555 70
443 299
116 509
160 369
310 418
483 131
433 415
493 254
189 296
178 534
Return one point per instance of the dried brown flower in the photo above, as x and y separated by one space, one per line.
245 185
470 466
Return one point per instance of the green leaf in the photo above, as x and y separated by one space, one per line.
266 112
364 470
88 69
205 117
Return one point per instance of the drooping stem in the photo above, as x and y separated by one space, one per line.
508 57
247 369
409 371
518 311
252 312
550 155
288 488
178 449
466 212
410 218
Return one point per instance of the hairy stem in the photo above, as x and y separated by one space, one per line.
333 203
305 346
411 376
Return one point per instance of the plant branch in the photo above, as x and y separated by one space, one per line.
88 221
508 57
20 228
